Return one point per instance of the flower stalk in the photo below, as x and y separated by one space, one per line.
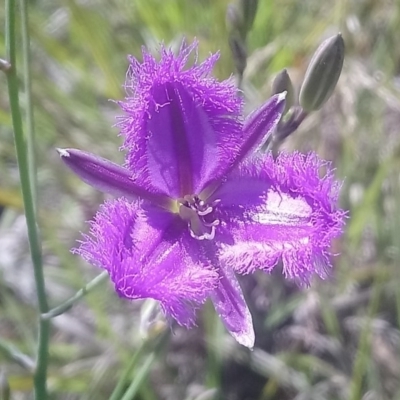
152 347
30 123
23 148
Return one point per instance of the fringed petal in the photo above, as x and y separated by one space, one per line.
181 150
167 101
281 210
145 252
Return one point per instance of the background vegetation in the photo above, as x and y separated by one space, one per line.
340 339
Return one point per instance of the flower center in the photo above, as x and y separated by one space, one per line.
199 216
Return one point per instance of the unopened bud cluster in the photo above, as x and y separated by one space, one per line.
319 82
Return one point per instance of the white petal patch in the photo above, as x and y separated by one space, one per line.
282 209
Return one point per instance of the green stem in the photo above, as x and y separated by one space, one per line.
124 377
27 195
364 347
214 331
40 377
155 346
62 308
14 354
30 127
139 377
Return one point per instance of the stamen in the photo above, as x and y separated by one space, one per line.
208 210
194 211
205 236
214 223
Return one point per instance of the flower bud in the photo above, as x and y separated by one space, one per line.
234 19
248 9
322 73
283 83
239 52
240 16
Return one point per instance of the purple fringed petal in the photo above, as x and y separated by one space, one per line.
181 150
178 120
107 176
286 212
145 253
232 308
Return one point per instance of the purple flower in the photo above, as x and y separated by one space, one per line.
196 203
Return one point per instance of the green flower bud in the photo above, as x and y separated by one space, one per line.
239 52
322 73
248 9
234 19
282 83
240 17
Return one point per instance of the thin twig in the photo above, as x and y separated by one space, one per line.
62 308
14 354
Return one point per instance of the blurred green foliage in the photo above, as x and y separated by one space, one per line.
338 340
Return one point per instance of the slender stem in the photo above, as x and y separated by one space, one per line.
62 308
214 331
40 377
139 377
27 195
123 378
283 130
364 345
20 146
14 354
30 128
155 346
